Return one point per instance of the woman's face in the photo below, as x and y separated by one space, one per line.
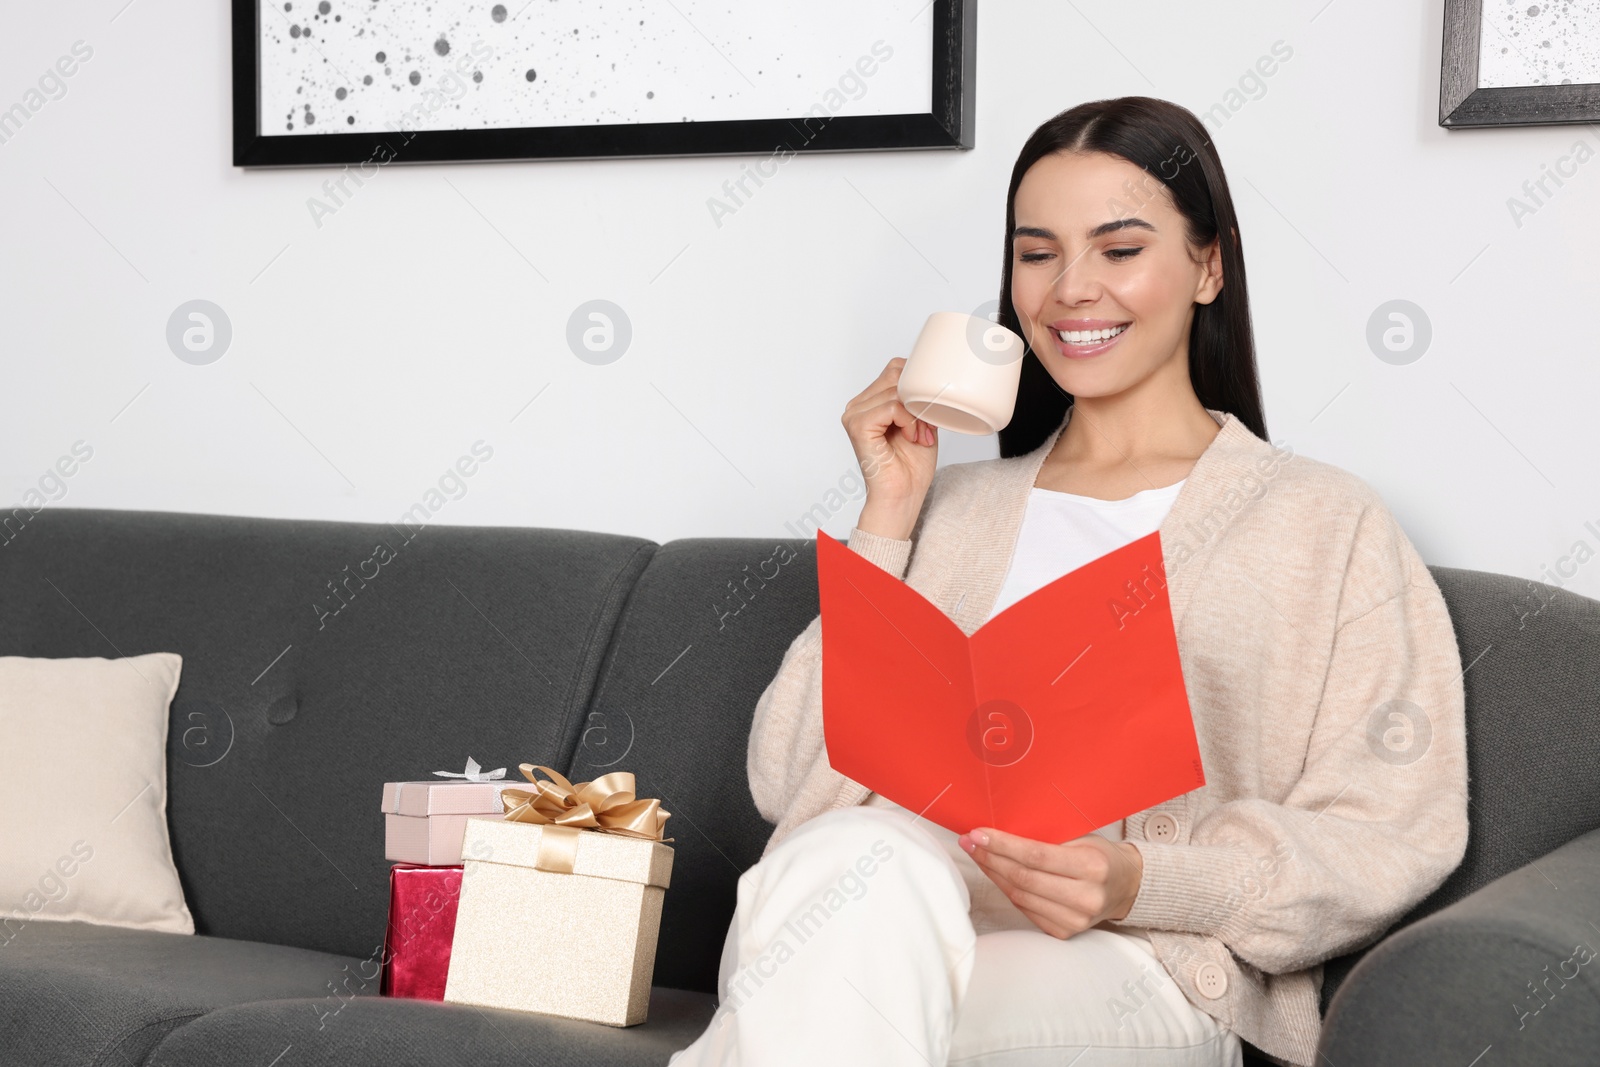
1099 252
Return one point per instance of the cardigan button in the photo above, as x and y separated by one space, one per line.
1211 980
1160 827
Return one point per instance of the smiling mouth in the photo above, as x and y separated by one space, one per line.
1084 338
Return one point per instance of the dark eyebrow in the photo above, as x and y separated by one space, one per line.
1099 231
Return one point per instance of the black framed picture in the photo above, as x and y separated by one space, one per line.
1529 63
336 82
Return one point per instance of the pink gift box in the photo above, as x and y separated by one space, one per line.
424 822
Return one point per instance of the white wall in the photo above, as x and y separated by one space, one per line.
377 348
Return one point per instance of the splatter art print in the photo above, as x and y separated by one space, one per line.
1527 43
463 79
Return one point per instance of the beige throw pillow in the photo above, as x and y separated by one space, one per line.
83 793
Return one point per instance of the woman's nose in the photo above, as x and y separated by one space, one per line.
1077 281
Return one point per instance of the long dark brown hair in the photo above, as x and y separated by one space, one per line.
1169 143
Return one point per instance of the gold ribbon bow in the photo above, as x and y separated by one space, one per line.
606 805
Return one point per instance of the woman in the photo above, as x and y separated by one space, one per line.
1319 661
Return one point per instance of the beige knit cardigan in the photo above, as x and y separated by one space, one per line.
1323 674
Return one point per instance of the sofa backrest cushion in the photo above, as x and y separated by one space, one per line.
703 635
298 699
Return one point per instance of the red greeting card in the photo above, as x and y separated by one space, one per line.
1065 712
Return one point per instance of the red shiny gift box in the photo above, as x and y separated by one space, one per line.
422 922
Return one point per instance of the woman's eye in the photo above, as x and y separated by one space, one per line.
1116 254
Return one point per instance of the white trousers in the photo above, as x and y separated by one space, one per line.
856 941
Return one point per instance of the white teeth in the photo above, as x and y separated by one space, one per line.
1086 337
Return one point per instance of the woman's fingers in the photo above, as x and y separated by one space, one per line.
1055 921
1075 894
874 397
872 423
1080 858
897 464
888 380
1080 877
892 411
1057 917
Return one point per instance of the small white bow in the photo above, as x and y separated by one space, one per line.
474 773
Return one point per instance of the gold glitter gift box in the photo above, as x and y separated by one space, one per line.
572 880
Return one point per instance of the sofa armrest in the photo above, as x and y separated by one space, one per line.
1514 966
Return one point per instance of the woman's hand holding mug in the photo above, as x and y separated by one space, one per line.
897 452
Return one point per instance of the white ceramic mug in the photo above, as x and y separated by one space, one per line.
962 374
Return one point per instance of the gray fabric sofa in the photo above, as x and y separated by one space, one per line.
311 676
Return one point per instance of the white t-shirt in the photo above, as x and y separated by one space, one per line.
1063 531
1060 533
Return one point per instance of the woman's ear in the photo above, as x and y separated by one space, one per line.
1211 281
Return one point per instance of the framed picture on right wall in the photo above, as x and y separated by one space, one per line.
1519 63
